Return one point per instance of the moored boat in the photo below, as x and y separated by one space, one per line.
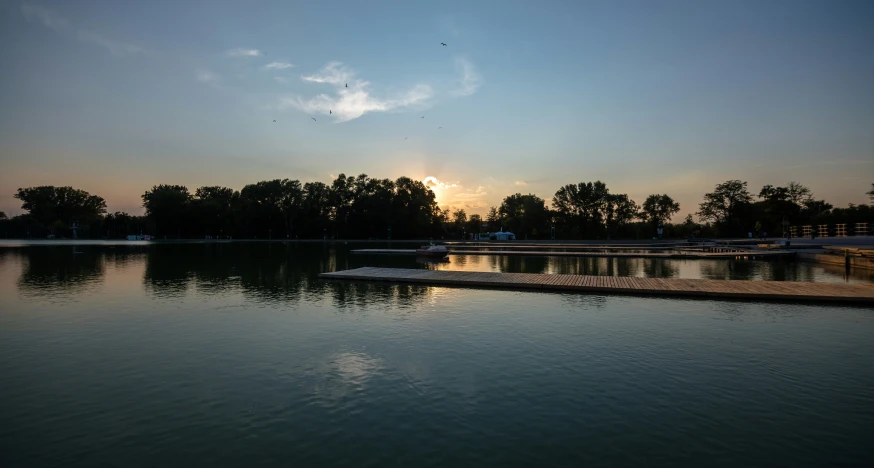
438 251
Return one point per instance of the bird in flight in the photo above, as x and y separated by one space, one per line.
423 116
405 138
347 85
314 119
438 128
443 44
274 121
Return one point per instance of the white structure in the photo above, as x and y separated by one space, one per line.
502 236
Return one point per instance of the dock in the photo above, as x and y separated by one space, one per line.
543 253
700 288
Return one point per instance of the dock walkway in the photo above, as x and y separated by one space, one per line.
675 255
726 289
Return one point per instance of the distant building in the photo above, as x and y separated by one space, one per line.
503 236
499 236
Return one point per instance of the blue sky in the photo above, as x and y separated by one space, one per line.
649 97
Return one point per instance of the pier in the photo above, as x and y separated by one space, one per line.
700 288
718 253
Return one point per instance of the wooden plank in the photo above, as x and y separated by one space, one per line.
761 290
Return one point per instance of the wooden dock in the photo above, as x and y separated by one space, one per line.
535 253
701 288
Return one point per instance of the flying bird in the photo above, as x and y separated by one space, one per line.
329 112
274 121
314 119
438 128
347 85
423 116
443 44
405 138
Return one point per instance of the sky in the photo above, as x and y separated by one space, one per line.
114 97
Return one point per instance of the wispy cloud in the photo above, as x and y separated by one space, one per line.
117 48
277 66
352 97
470 79
206 76
471 199
49 18
520 183
243 52
434 183
332 73
53 20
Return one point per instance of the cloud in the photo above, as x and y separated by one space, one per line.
117 48
277 66
432 183
453 195
206 76
243 52
520 183
470 79
467 199
332 73
49 18
351 102
59 24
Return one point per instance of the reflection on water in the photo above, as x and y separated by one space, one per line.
237 354
276 271
72 269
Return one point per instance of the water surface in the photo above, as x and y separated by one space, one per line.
237 354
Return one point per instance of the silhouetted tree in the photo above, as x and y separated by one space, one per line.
475 224
725 203
459 221
588 209
493 219
524 215
168 207
658 208
49 205
617 211
364 207
213 209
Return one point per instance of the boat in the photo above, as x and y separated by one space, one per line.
438 251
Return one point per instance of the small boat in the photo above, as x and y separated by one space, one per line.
438 251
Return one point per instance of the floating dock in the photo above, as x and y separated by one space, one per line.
700 288
534 253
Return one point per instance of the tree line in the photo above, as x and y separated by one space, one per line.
362 207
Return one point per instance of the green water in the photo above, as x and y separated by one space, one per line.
238 355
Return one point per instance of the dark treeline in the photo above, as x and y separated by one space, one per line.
368 208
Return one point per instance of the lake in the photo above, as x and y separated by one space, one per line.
237 354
